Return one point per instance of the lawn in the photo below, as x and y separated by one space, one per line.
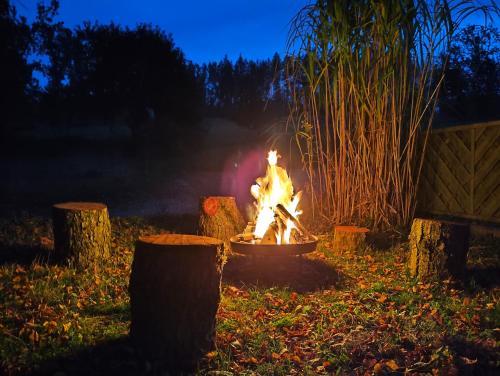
327 313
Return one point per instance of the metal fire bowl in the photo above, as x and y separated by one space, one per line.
273 249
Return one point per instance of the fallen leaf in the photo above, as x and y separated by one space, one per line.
212 354
392 365
34 336
382 298
468 361
250 360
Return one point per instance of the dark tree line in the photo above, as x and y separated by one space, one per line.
137 76
16 84
109 73
471 90
248 91
112 74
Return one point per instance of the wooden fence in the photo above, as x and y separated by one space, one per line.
461 173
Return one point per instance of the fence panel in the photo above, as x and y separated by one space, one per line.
461 172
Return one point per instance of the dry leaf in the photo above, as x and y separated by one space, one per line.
212 354
382 298
392 365
66 326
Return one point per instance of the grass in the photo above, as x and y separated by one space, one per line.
290 319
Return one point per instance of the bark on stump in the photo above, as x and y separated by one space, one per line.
174 297
220 218
438 249
349 238
82 233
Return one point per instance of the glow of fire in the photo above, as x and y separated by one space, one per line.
269 191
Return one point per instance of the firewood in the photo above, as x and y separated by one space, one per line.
174 297
82 233
349 238
220 218
281 210
270 235
438 249
245 237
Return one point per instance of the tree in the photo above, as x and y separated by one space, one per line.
16 73
472 85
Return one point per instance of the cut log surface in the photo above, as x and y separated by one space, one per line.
349 238
82 233
438 249
174 297
220 218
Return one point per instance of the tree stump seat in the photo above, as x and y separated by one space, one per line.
349 238
174 297
82 233
220 218
438 249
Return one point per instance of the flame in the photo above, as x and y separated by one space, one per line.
273 189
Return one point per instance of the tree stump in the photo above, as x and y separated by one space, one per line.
220 218
438 249
349 238
174 297
82 233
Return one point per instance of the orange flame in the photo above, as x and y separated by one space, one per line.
273 189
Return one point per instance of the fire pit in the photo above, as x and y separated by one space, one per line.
276 230
248 248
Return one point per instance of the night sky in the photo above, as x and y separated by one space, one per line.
204 30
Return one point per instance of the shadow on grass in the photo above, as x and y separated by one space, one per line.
118 312
301 274
24 254
114 357
474 357
486 277
181 224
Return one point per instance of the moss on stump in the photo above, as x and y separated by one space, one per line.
82 233
174 297
438 249
349 238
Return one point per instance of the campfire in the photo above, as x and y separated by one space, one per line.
276 222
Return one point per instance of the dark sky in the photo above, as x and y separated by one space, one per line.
205 30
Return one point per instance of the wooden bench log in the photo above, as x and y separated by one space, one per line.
220 218
438 249
349 238
174 297
82 233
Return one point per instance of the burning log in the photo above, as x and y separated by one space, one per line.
174 296
82 233
276 227
349 238
438 249
280 209
270 235
220 218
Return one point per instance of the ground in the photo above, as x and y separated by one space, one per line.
329 312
